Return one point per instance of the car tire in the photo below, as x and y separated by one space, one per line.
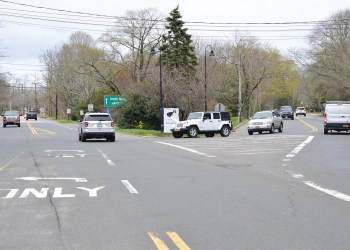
177 135
272 130
211 134
250 132
280 129
225 131
292 118
112 138
325 131
79 137
260 132
83 137
19 124
192 132
4 125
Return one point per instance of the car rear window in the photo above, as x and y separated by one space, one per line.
99 118
225 116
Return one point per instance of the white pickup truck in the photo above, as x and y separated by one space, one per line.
207 123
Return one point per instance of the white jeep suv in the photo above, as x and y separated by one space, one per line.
207 123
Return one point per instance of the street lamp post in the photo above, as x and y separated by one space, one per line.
205 74
153 52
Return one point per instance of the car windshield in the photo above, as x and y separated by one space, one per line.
262 115
300 108
286 108
15 113
194 116
98 118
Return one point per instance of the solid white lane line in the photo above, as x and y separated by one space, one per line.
184 148
109 161
334 193
129 187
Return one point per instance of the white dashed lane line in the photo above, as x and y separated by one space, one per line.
309 183
105 156
129 187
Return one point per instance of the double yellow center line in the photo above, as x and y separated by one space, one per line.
314 129
173 236
35 130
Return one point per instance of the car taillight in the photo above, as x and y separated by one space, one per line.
112 124
86 124
325 118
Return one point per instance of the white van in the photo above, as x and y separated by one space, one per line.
337 116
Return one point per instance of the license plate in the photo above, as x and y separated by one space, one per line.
99 125
257 126
345 126
177 129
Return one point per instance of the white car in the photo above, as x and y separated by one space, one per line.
96 125
300 111
268 120
208 123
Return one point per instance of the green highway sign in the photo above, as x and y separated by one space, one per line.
113 100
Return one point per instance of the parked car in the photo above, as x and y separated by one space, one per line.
208 123
300 111
337 117
11 117
31 115
287 112
96 125
267 120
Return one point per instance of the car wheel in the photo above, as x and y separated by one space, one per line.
325 131
177 135
260 132
211 134
27 119
19 124
225 131
292 118
112 138
280 129
272 129
4 125
79 137
83 137
250 132
192 132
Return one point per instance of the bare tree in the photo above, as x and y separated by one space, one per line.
130 41
330 54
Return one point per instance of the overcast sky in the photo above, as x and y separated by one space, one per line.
24 39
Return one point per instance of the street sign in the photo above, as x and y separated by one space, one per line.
90 107
113 100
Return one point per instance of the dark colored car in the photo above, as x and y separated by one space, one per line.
31 115
11 118
287 112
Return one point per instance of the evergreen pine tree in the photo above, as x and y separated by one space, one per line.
177 50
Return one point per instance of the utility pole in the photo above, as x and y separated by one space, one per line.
239 87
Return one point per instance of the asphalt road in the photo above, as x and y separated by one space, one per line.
286 190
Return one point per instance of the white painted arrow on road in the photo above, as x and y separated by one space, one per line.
51 178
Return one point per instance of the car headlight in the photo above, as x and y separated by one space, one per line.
268 122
